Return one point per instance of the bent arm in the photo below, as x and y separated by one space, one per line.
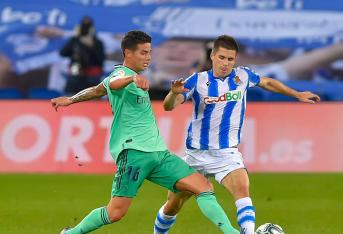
172 100
119 83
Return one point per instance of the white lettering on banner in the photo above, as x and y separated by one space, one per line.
67 141
10 146
105 123
122 2
53 17
9 16
285 151
304 152
26 44
258 4
56 17
248 140
269 4
252 24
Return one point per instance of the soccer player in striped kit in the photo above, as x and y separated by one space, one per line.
219 103
136 144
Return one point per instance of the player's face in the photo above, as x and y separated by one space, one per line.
223 61
139 59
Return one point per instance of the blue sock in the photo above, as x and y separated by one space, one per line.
246 215
163 222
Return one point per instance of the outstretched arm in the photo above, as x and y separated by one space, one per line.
174 97
84 95
279 87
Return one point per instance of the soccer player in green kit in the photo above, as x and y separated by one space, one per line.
136 144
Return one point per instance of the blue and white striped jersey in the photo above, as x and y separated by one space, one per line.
219 108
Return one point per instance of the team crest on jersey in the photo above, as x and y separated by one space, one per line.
120 73
237 80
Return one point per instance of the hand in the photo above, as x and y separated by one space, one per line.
141 82
49 32
308 97
177 86
60 101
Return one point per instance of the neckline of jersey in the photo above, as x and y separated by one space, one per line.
127 68
230 76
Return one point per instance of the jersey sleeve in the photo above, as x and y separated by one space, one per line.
253 77
117 73
190 85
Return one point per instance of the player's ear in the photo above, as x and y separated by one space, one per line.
127 53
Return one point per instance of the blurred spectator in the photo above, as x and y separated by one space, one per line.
86 53
6 73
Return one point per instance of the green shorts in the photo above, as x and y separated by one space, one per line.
161 167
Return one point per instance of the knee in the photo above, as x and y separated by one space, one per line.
206 187
241 190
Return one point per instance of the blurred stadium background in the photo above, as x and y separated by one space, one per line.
54 167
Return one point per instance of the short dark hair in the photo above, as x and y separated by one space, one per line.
226 42
133 38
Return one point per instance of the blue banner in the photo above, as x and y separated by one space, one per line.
256 23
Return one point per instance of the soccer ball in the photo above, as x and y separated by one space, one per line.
269 228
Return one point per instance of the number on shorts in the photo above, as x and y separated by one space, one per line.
133 173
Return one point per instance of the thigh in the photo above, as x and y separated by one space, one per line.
217 163
132 168
170 170
195 183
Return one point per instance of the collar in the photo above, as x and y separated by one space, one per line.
230 76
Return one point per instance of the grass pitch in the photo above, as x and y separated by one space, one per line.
44 204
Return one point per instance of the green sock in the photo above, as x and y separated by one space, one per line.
94 220
209 206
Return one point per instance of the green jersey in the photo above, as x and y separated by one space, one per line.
134 124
